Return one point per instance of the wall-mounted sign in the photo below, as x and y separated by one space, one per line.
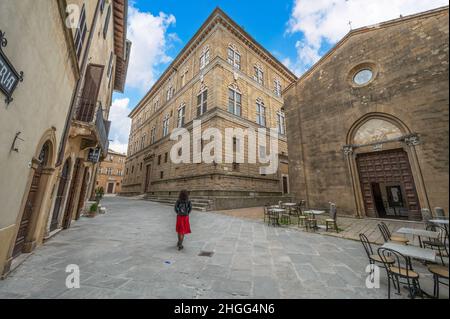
9 77
94 155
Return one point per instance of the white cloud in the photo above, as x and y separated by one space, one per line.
148 33
120 125
327 21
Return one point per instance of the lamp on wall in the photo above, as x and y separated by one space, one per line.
13 146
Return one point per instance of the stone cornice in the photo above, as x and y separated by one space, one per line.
217 17
216 174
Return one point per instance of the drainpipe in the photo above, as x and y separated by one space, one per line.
65 134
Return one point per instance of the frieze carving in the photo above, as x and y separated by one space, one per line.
347 149
412 140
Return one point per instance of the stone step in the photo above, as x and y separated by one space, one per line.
201 205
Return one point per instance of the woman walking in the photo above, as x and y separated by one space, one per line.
183 208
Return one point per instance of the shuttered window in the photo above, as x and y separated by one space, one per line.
105 27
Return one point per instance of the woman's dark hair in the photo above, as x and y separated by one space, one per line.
184 195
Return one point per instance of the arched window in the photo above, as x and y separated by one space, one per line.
202 101
181 115
260 112
281 123
204 57
234 100
277 87
234 57
166 123
259 74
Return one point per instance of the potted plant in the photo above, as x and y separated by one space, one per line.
93 210
99 192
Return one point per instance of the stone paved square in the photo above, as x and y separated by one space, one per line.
130 252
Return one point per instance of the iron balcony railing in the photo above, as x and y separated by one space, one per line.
91 112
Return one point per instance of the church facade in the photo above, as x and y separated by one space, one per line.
368 124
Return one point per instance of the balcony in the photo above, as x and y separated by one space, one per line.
90 124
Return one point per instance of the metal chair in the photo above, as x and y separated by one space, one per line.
274 218
285 217
387 236
440 244
373 258
301 216
401 268
332 220
438 272
310 221
266 212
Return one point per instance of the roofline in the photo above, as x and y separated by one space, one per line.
361 30
217 13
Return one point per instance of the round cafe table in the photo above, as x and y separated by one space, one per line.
278 211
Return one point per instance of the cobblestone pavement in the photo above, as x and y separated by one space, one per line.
131 253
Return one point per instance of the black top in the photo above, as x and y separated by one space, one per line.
183 208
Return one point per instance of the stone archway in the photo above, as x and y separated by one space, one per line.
385 174
36 193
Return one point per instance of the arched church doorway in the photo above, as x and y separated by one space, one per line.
381 151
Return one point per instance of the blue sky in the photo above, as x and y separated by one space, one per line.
297 32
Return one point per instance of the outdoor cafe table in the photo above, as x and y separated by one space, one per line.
278 211
289 206
443 222
313 213
419 233
412 251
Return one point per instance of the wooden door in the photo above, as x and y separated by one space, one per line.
60 195
389 168
30 204
285 185
72 192
83 192
110 188
27 213
148 178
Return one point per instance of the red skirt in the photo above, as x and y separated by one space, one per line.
183 226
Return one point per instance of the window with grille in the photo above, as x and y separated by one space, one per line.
234 101
80 34
202 103
281 123
277 87
259 74
234 58
260 112
204 58
108 17
166 123
181 115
